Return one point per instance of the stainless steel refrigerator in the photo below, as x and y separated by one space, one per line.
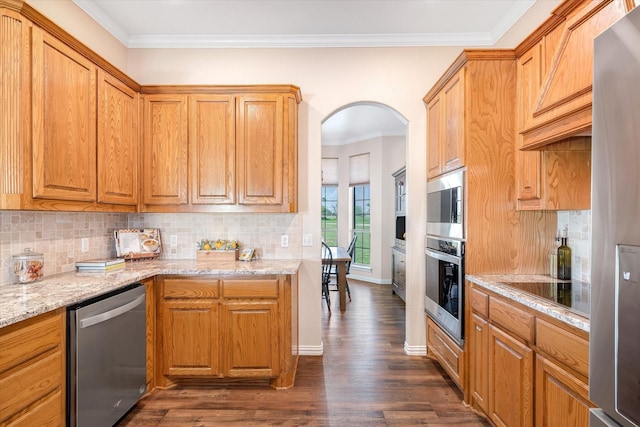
614 350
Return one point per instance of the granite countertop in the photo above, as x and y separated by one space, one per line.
19 302
499 284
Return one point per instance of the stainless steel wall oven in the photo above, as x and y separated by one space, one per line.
444 253
444 300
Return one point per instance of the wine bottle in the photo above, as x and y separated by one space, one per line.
564 260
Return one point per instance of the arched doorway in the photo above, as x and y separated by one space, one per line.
360 133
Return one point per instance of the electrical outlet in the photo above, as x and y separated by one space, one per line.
84 243
284 241
173 240
307 240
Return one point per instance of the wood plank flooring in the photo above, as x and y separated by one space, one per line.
363 379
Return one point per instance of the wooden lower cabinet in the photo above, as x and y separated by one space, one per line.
479 357
250 325
442 348
227 327
190 336
529 370
32 371
510 379
562 399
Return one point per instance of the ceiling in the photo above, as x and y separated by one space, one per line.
313 24
305 23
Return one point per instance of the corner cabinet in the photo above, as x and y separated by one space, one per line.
69 130
227 327
220 149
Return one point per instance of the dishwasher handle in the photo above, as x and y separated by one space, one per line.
107 315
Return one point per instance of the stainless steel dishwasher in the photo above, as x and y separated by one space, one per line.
106 358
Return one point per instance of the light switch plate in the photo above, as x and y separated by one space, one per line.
173 240
284 241
84 243
307 240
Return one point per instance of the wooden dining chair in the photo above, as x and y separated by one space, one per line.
327 265
351 251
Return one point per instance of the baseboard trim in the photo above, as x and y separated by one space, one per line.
311 350
415 350
369 279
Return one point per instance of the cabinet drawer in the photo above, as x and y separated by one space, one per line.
260 288
177 288
446 351
512 319
479 302
25 340
26 386
562 345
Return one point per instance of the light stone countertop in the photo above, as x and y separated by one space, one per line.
22 301
499 284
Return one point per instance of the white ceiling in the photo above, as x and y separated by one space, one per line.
313 24
305 23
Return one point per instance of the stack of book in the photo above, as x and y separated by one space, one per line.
100 265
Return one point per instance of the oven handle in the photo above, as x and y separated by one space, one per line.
108 315
443 257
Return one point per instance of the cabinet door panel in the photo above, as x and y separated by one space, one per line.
254 326
561 398
453 148
510 380
64 121
260 145
479 350
118 144
212 149
434 129
165 150
190 334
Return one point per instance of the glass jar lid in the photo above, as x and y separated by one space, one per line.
27 254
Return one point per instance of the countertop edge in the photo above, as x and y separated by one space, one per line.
20 302
492 283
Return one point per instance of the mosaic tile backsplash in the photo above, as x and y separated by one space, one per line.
58 235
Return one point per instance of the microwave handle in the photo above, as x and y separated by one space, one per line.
442 257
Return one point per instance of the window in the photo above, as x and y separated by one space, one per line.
359 183
361 224
330 214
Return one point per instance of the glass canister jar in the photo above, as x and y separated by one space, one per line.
28 266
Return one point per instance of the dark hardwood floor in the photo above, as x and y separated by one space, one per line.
363 379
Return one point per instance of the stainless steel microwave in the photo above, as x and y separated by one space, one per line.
445 206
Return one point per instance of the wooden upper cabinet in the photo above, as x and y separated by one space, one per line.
557 94
64 118
453 147
260 142
445 121
434 125
15 105
165 150
118 144
212 149
242 149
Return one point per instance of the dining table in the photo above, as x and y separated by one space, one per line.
340 258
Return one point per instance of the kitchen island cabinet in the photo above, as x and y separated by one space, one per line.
526 365
32 371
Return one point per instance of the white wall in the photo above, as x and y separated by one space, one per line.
329 78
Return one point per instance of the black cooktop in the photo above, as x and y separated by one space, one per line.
572 295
